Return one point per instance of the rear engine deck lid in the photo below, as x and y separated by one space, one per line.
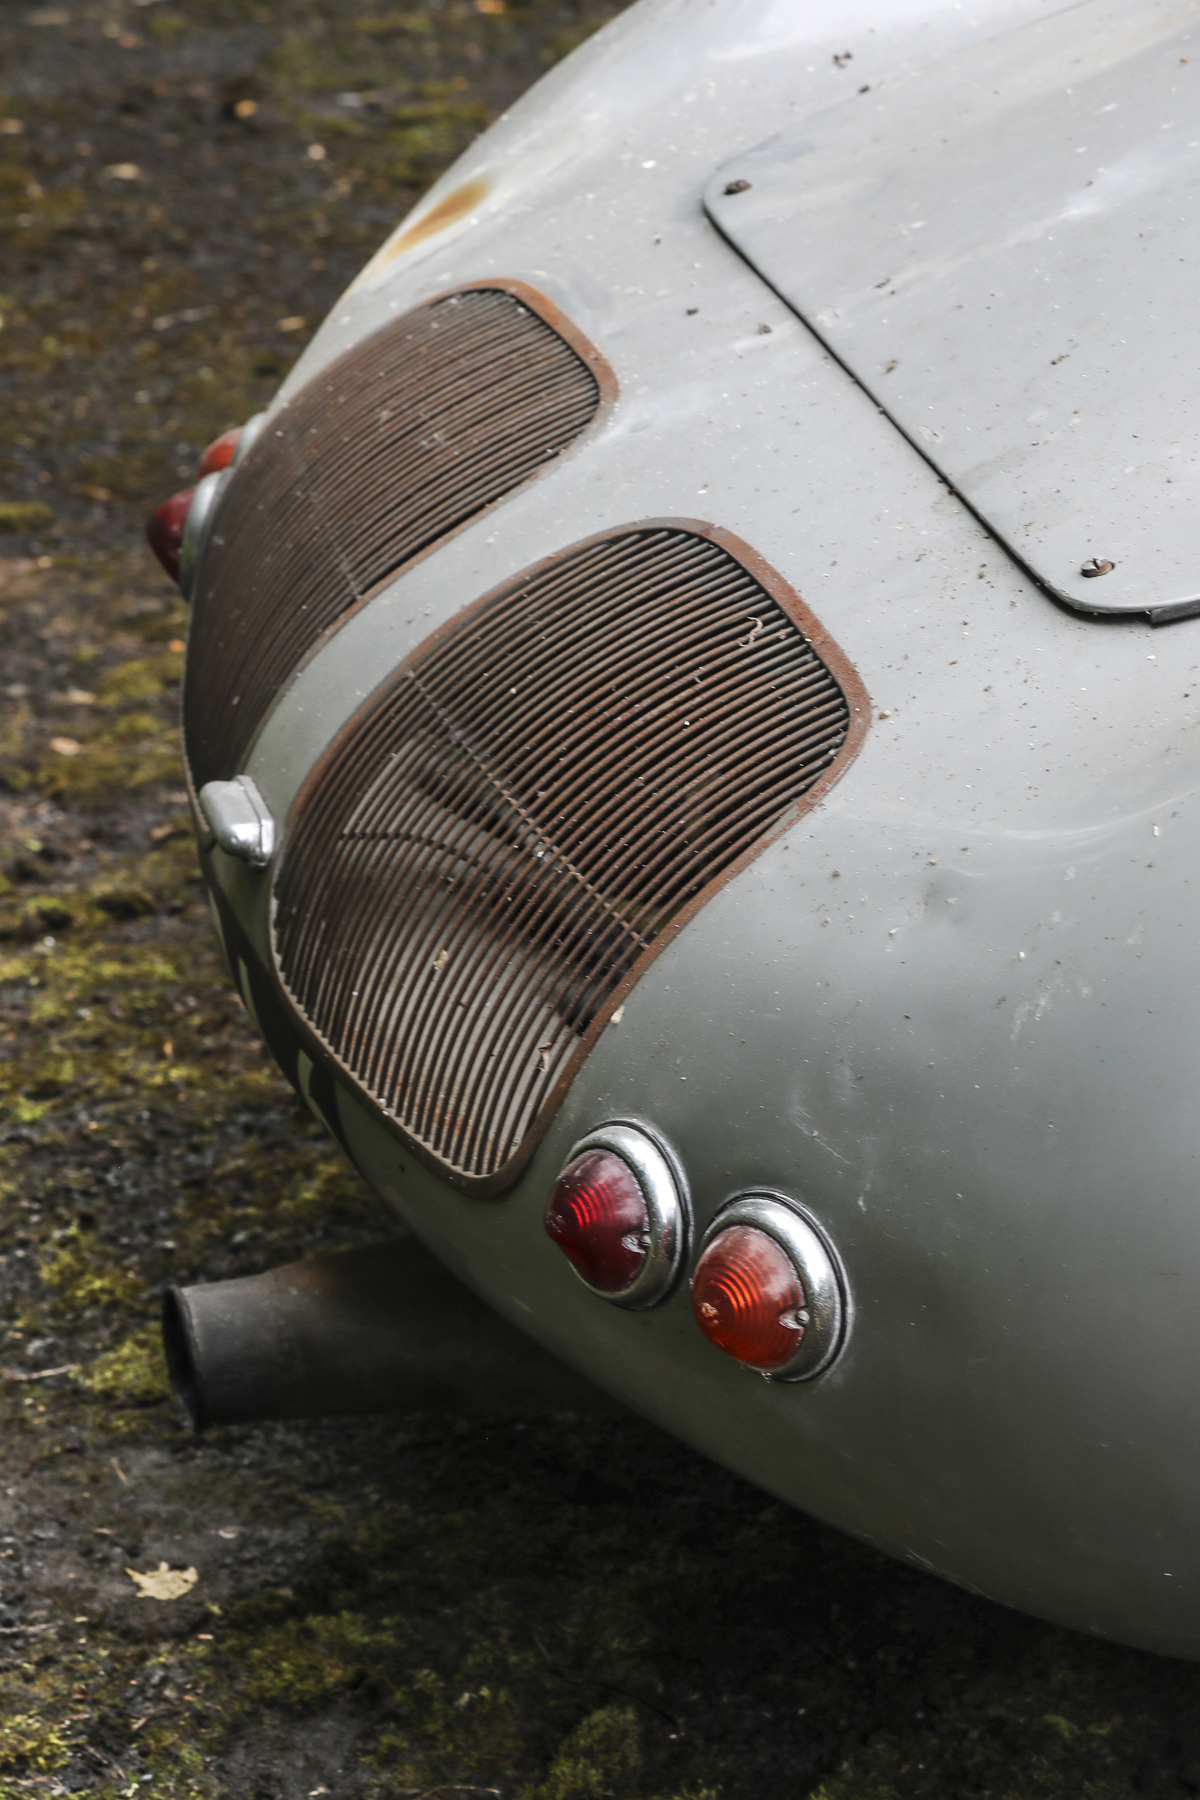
1003 248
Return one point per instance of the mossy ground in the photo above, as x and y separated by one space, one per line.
547 1611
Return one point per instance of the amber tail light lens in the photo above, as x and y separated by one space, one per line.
597 1216
748 1300
164 532
220 453
619 1214
768 1288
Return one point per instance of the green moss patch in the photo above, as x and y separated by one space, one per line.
29 1744
23 515
133 1373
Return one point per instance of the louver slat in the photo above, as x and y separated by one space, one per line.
511 826
396 444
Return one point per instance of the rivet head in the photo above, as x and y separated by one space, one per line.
1095 565
737 187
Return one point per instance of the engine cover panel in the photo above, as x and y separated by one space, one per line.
1006 263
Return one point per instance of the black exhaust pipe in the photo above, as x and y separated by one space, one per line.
385 1329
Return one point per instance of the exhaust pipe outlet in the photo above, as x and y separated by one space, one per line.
385 1329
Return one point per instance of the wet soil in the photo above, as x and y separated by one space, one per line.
551 1609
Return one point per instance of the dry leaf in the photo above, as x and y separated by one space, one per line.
163 1583
65 746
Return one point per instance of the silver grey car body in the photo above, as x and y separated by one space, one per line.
933 359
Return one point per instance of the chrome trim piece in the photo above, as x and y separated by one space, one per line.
251 432
195 529
817 1264
664 1190
240 820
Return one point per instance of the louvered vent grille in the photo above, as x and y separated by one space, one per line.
509 825
395 444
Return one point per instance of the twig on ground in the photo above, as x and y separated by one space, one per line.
38 1374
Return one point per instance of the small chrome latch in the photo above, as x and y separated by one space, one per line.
240 819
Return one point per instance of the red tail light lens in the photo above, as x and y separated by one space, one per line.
748 1298
597 1216
619 1213
220 453
164 532
769 1290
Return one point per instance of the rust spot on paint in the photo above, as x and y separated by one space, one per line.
449 211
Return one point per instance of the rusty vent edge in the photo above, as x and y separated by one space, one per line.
563 327
858 704
550 314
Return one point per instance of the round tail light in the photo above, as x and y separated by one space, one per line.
164 531
597 1215
220 453
767 1289
618 1212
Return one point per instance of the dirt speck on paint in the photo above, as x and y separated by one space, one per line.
558 1610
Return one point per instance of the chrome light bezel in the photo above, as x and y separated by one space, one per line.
196 526
668 1208
816 1262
